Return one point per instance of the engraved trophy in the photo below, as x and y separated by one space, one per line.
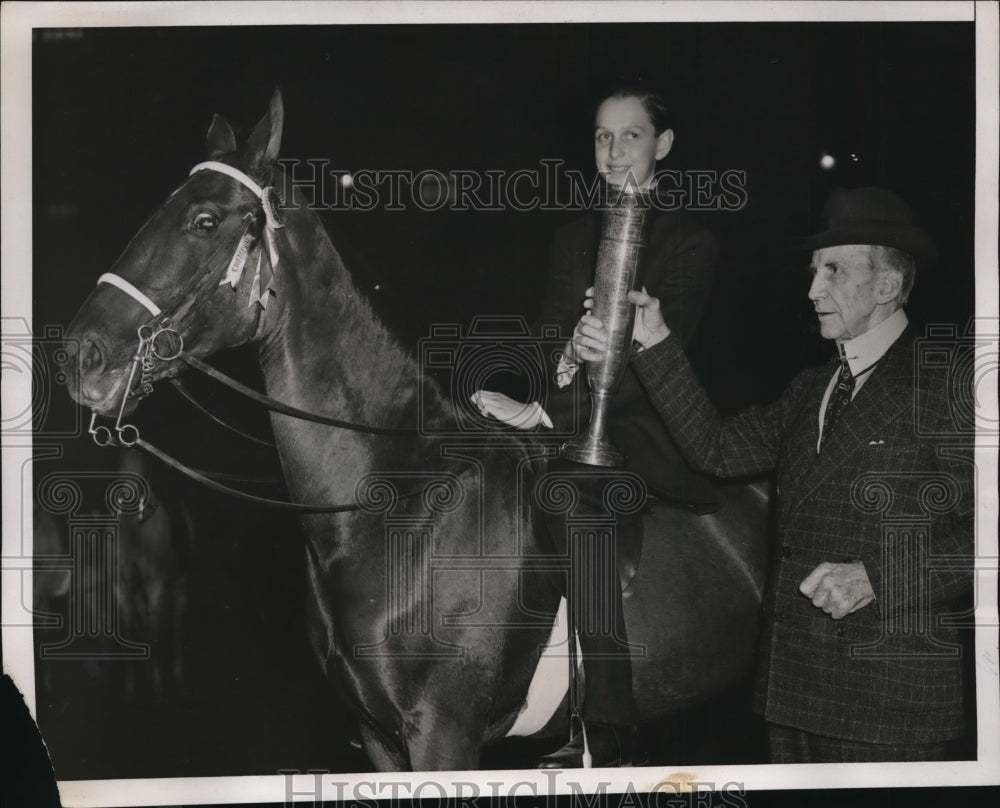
619 256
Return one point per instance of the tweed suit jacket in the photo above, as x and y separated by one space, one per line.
679 268
883 491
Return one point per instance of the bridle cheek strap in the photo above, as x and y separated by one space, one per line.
131 291
270 202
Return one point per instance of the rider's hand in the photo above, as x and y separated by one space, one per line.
506 409
568 365
590 337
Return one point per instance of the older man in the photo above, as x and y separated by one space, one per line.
874 518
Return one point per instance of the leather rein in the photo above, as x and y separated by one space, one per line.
160 340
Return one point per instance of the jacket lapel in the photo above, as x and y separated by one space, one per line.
885 395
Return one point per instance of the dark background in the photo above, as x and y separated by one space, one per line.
119 117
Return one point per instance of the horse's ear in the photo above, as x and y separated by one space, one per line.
221 139
265 142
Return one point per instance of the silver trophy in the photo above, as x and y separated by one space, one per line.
619 257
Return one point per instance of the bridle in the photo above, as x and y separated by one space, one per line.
160 340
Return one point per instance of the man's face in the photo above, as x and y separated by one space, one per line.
625 142
844 291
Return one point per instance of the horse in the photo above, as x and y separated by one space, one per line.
50 587
152 584
431 586
147 575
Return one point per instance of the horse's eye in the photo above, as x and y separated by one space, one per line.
205 223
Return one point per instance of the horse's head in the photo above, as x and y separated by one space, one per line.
196 275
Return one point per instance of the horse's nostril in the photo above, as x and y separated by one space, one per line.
91 358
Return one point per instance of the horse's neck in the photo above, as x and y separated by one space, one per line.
325 351
328 347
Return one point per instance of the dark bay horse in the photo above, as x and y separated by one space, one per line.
431 600
145 572
152 586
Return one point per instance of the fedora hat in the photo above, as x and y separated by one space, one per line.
872 216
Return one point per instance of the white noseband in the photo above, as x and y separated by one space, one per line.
130 290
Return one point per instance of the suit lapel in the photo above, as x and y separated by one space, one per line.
885 395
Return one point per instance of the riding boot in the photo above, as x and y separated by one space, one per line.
610 745
609 710
595 599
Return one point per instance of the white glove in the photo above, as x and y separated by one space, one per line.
514 413
568 365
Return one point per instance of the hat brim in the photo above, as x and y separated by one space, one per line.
902 237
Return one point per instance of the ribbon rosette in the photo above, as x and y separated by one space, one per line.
263 284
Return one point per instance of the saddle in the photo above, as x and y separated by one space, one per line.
592 511
636 430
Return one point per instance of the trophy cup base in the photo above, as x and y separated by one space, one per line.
593 453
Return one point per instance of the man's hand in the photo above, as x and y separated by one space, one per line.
590 338
649 326
506 409
838 589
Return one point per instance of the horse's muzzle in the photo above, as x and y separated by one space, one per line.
88 380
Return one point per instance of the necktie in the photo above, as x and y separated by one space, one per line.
839 399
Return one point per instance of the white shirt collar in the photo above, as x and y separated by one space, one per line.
865 350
